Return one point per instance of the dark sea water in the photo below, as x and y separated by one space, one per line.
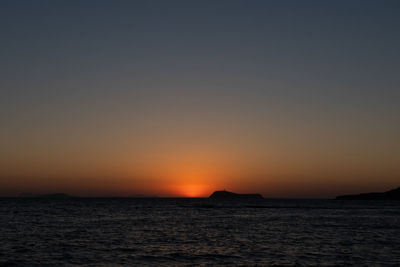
165 232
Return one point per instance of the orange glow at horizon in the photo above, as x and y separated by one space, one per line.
192 190
187 178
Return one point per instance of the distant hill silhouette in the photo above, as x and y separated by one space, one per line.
388 195
55 195
230 195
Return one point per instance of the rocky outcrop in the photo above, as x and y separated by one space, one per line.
388 195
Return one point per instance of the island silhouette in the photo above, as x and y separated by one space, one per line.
53 195
230 195
388 195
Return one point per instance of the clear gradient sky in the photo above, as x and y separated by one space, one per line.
181 98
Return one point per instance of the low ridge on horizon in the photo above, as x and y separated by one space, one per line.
393 194
223 194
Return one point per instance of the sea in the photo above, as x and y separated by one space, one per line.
198 232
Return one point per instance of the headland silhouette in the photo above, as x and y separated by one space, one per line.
388 195
54 195
230 195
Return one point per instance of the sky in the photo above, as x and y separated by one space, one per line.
181 98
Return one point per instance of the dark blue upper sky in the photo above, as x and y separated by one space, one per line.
305 49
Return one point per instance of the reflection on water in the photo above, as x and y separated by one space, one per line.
198 231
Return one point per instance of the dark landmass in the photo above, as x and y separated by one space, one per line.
55 195
388 195
230 195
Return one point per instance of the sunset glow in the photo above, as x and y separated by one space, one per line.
181 98
193 190
199 133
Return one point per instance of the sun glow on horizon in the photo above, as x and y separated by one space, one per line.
188 175
193 190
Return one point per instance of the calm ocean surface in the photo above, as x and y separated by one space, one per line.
154 232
